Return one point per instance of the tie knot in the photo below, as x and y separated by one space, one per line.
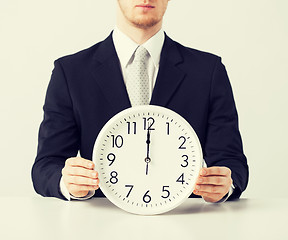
141 54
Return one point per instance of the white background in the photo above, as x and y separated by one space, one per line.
250 36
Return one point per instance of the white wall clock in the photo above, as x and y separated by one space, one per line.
148 159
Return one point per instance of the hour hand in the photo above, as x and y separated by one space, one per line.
148 140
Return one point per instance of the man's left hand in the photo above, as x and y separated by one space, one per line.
213 183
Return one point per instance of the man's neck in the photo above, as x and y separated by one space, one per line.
138 35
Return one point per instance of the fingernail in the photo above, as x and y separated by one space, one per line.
203 172
95 181
197 187
200 180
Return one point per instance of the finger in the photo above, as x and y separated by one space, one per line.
77 188
214 180
211 197
210 189
79 162
215 171
78 180
80 171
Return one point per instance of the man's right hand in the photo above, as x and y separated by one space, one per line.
79 176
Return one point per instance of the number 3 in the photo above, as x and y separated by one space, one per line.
185 160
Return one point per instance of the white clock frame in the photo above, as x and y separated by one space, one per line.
131 183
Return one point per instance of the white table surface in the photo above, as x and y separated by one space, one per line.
49 218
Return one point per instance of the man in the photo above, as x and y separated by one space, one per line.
88 88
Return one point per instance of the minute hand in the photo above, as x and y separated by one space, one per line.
147 159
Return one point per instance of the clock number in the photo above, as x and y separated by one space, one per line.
149 122
131 187
165 190
183 142
146 197
185 160
117 141
111 157
113 178
133 126
181 179
168 128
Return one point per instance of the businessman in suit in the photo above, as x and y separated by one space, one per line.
90 87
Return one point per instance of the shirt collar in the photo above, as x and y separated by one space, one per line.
125 47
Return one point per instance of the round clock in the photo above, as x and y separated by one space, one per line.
148 159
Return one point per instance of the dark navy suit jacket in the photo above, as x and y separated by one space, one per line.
87 89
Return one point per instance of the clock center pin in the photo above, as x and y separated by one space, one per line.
147 160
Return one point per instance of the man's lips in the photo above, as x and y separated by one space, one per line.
145 6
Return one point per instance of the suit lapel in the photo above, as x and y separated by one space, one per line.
108 75
169 75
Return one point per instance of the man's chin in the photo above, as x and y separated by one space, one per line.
145 23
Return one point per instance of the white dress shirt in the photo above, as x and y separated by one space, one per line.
125 48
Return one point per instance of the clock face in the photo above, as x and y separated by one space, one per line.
148 159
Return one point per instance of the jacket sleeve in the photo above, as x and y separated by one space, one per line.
223 141
58 136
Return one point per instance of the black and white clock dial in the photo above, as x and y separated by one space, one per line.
148 159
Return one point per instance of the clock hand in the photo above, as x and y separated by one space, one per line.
147 159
